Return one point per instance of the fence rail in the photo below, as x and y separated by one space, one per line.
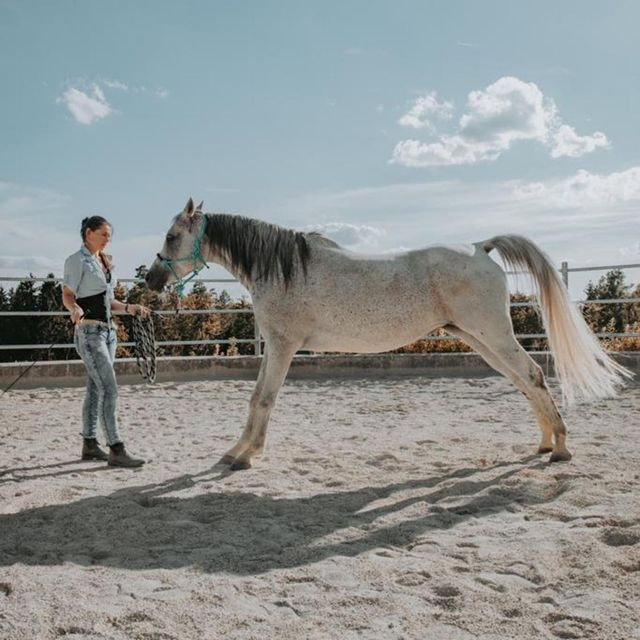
564 270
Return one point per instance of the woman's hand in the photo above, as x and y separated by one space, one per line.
76 314
139 310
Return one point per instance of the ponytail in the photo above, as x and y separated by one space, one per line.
106 260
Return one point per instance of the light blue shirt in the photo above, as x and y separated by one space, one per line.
83 274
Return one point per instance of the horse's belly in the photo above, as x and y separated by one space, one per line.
366 337
341 344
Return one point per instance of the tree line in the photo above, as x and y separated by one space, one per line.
233 327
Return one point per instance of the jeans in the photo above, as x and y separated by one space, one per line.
96 345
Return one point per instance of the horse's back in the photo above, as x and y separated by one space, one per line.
407 272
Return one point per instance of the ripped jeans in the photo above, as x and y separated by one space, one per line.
96 345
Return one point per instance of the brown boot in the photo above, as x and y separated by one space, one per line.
118 457
91 450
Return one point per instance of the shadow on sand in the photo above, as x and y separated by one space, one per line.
242 533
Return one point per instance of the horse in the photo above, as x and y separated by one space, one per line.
309 293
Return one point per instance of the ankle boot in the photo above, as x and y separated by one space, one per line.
91 450
118 457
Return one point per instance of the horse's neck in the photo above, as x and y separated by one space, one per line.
218 256
251 249
221 256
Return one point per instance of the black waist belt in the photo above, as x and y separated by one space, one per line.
95 307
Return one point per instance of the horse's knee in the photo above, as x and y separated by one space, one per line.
267 400
537 377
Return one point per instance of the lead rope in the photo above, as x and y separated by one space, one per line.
145 346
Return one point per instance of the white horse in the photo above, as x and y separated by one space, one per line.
310 293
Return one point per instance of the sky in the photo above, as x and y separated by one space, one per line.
388 125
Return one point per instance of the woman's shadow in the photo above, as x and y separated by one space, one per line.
242 533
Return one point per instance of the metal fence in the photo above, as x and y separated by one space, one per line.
565 271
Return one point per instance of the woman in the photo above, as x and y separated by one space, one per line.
88 296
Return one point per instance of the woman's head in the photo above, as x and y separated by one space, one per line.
93 223
95 232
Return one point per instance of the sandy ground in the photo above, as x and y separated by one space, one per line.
383 508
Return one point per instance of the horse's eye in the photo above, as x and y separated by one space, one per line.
170 237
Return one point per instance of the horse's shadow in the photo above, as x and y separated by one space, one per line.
243 533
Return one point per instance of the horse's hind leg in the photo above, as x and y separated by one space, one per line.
273 371
499 347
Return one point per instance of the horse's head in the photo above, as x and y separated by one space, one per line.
180 255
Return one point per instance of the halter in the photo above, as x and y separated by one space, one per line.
195 256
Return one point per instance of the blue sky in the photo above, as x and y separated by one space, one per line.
388 125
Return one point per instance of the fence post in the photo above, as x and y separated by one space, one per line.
564 270
257 347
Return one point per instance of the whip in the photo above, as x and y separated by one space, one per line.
145 346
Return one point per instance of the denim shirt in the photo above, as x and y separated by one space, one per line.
83 274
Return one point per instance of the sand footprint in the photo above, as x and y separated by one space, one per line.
568 626
619 538
74 630
413 578
447 596
384 460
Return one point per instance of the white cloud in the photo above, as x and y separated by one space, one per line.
116 84
566 142
449 150
585 190
86 108
357 237
505 112
423 109
89 105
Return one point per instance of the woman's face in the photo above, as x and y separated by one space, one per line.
97 240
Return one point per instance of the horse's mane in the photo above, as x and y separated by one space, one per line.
259 250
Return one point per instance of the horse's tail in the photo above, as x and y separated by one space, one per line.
581 365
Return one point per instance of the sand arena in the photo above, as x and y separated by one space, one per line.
401 507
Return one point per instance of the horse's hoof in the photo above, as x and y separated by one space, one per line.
226 459
544 450
560 456
239 465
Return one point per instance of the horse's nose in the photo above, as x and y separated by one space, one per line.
146 277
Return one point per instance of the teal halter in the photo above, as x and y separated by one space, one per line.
194 257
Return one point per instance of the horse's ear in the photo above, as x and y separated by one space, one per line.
189 207
199 207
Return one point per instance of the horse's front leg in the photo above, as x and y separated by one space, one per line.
273 371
